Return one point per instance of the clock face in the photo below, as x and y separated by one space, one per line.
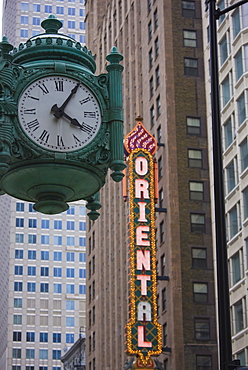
59 113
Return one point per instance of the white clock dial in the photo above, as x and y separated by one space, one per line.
59 113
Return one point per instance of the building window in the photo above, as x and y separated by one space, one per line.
43 337
19 207
59 9
238 65
82 12
57 288
18 286
156 46
18 270
31 270
200 292
70 289
162 261
244 154
203 362
221 5
82 226
19 222
71 210
57 271
70 225
233 221
151 85
36 7
230 174
70 241
161 198
202 329
196 190
43 354
157 75
18 302
48 9
155 19
188 9
82 25
71 11
31 238
236 267
226 96
17 319
45 239
19 238
149 31
82 289
44 271
70 256
70 272
195 158
16 353
82 257
238 316
30 336
31 287
228 133
236 22
241 357
58 224
150 59
70 305
56 337
44 287
158 106
45 224
29 353
152 116
17 336
44 255
24 33
161 231
149 5
223 50
32 222
36 21
57 256
164 333
199 258
57 240
24 7
245 202
164 299
18 253
69 321
189 38
160 168
69 338
241 110
197 222
190 67
82 273
159 135
72 24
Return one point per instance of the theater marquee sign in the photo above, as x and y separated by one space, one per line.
144 337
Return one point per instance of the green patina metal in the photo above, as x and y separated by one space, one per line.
36 173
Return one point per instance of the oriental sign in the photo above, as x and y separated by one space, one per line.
144 336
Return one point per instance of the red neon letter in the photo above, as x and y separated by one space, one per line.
143 285
141 189
141 235
141 339
143 260
141 166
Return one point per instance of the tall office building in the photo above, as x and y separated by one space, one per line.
43 265
233 69
163 81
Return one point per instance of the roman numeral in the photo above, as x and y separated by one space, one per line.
44 89
89 114
33 97
76 139
30 111
59 85
44 136
85 100
60 141
86 128
33 125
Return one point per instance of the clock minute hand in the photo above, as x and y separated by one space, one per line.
58 111
73 121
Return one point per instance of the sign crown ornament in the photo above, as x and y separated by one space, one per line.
61 126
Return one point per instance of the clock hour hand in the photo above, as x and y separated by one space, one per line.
58 111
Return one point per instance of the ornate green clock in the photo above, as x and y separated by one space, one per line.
60 124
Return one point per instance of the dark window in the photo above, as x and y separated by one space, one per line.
196 190
156 45
158 106
197 222
152 116
190 67
164 299
193 125
150 59
161 198
202 329
149 5
159 134
203 362
151 84
164 328
17 336
200 291
155 18
149 31
160 168
195 158
199 258
244 154
157 74
188 9
161 230
189 38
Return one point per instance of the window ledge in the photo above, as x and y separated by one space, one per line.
229 148
234 238
237 285
227 105
244 173
245 222
232 192
242 126
240 334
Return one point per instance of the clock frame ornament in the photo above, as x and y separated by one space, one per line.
61 126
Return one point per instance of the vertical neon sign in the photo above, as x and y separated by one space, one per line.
144 336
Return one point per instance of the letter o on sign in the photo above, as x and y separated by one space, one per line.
141 166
